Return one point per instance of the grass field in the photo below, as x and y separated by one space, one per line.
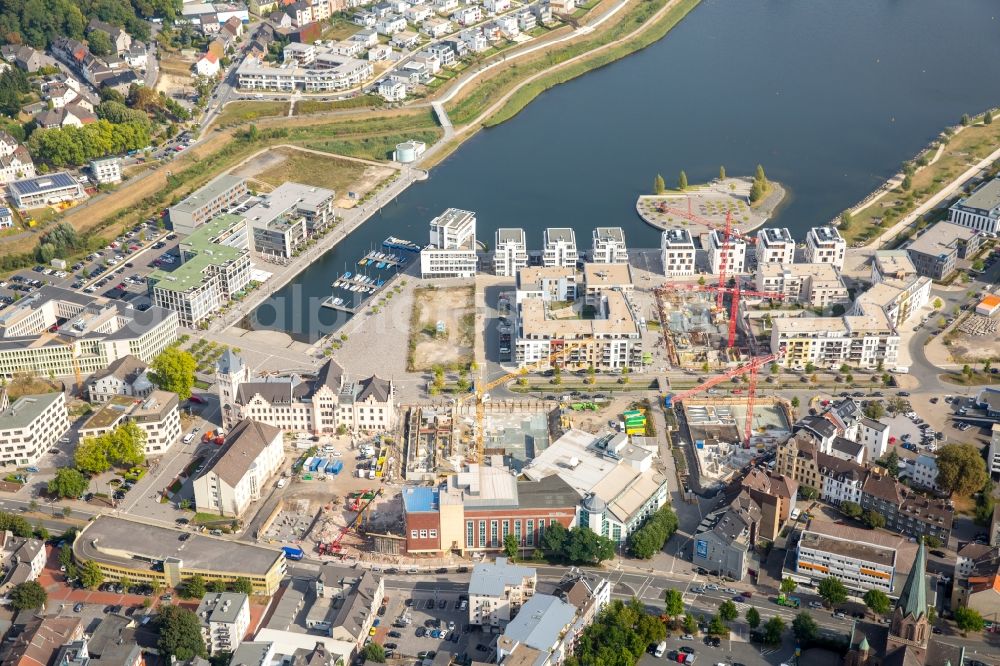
374 147
308 106
312 169
235 113
961 151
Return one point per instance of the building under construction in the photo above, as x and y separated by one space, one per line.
693 328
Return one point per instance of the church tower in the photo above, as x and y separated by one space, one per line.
230 372
909 625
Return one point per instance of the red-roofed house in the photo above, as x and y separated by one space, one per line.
207 65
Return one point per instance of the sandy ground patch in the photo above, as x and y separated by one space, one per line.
452 307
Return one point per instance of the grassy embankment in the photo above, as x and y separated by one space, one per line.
961 150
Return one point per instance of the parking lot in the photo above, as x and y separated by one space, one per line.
421 623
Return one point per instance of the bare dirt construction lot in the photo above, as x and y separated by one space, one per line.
175 74
434 309
287 163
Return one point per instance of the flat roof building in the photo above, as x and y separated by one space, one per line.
497 590
775 246
146 553
609 246
598 278
156 415
825 245
225 618
736 257
29 426
550 283
452 248
208 201
861 341
559 247
861 559
59 332
327 71
980 210
935 253
52 188
815 285
677 252
510 253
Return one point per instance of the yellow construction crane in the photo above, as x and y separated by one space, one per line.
482 390
76 366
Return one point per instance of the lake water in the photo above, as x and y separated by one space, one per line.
830 96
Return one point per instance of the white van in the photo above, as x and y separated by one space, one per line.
661 649
282 482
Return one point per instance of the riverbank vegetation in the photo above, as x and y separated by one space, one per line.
947 157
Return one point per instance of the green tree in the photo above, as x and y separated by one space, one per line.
874 409
851 509
965 120
510 546
28 595
968 619
373 652
91 455
878 602
682 181
938 304
796 402
760 176
810 368
243 585
654 533
99 43
988 118
907 182
217 586
16 524
173 370
91 575
773 629
194 587
722 173
891 463
805 627
68 482
845 220
961 469
180 633
674 603
985 503
690 624
753 617
788 586
587 547
728 611
659 186
554 538
873 520
716 627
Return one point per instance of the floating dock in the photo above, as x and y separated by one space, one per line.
376 269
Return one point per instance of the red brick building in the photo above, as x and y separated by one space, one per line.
478 508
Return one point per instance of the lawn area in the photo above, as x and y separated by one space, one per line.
374 147
961 151
978 378
340 29
305 107
312 169
240 112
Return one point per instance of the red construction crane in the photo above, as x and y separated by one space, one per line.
334 546
736 292
753 367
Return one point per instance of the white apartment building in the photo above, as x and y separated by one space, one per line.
452 248
540 633
29 426
328 72
825 245
559 247
896 287
861 341
127 376
251 456
318 405
815 285
156 415
106 171
736 257
57 331
775 246
609 246
552 283
923 472
208 201
225 618
497 590
677 252
993 459
216 266
511 252
855 558
874 436
980 210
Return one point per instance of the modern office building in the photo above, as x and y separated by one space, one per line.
980 210
145 553
251 456
498 590
225 618
609 246
283 218
677 252
935 253
825 245
452 248
216 197
775 246
156 415
510 253
861 559
29 426
46 190
216 266
736 257
57 331
559 247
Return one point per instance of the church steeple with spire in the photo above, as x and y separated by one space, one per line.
909 625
